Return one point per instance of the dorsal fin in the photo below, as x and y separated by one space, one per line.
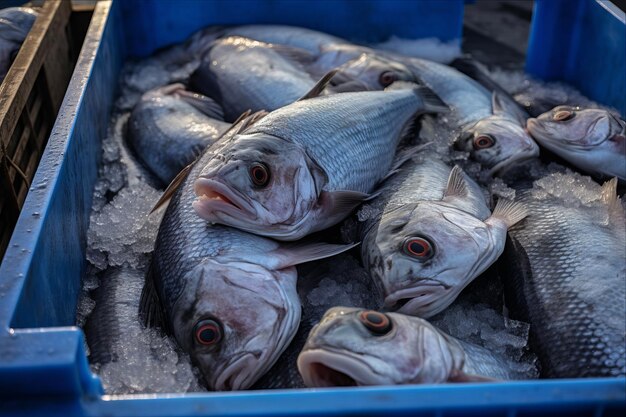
320 85
456 187
173 186
614 205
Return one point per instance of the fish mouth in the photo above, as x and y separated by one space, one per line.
530 152
215 197
234 376
425 300
330 368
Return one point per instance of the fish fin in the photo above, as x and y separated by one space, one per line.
506 106
296 55
612 200
300 252
456 186
319 86
510 212
173 186
402 158
337 205
204 104
350 86
432 102
461 376
150 306
205 82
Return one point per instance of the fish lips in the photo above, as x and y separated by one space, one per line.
529 152
233 376
215 197
325 367
424 301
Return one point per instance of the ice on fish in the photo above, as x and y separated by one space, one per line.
432 49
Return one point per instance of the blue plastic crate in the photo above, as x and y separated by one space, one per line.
582 42
43 367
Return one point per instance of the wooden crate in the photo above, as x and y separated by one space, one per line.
30 97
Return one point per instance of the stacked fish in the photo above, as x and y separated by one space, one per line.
285 132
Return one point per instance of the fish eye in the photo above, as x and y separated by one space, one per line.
386 78
208 332
377 323
483 142
418 247
260 174
563 115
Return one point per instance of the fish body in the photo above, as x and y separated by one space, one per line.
15 23
565 273
304 167
491 128
244 74
429 234
228 297
170 126
353 346
593 140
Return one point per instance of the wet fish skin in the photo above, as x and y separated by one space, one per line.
370 71
479 114
433 205
244 74
565 274
241 284
320 157
167 131
15 23
343 350
593 140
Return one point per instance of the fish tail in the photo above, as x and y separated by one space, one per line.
510 212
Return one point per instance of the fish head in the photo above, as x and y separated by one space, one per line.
497 142
352 346
259 183
576 130
235 319
422 255
369 72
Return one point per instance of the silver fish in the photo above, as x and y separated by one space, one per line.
429 234
491 128
564 272
352 346
593 140
15 23
304 167
170 126
244 74
228 297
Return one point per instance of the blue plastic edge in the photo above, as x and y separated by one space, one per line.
583 43
50 362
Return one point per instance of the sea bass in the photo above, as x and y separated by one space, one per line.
429 234
228 297
170 126
491 126
564 271
305 167
15 23
244 74
352 346
593 140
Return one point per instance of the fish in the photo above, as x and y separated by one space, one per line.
15 23
368 71
591 139
244 74
564 272
491 126
360 347
170 126
228 297
321 285
429 234
306 166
